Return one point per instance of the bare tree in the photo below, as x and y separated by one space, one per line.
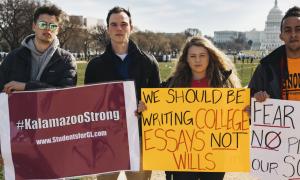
192 32
158 43
16 20
89 41
69 29
176 41
99 33
142 39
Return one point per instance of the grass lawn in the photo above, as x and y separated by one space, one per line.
245 71
81 71
1 173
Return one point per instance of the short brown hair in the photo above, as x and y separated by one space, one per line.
116 10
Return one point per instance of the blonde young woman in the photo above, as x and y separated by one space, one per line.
201 64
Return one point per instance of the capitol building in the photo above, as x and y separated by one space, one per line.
270 38
266 40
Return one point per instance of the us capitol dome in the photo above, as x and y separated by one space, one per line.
271 40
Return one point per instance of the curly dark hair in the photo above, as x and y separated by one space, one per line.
52 10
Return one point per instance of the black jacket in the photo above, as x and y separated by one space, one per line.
59 72
270 74
143 68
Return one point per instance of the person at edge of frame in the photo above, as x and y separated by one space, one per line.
273 77
39 63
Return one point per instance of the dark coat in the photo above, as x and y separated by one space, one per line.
143 68
270 74
59 72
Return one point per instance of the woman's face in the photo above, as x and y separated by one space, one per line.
198 60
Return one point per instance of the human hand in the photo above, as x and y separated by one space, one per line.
247 109
14 86
140 108
261 96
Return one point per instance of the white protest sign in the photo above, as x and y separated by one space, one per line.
275 139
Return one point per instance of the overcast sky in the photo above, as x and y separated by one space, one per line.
178 15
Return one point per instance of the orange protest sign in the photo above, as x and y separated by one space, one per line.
196 129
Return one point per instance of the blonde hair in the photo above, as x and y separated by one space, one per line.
221 72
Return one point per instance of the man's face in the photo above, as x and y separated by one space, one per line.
119 28
46 28
290 33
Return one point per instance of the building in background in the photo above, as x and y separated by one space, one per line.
225 36
77 20
86 22
90 22
266 40
255 37
271 38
